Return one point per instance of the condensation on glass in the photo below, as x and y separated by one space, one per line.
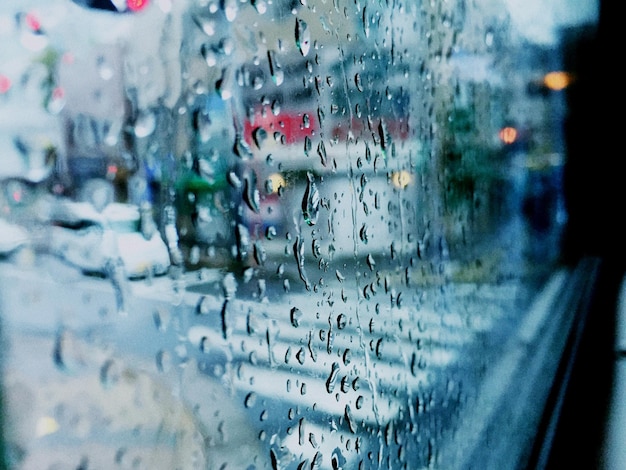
277 234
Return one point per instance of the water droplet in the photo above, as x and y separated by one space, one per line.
234 180
321 151
489 37
109 373
163 361
194 255
363 234
295 315
260 6
105 70
202 124
65 352
230 9
359 402
229 286
250 400
306 121
338 461
145 124
251 194
383 134
303 37
349 420
275 107
209 54
302 423
347 356
274 460
332 378
224 86
341 321
242 236
203 306
242 149
270 232
300 356
277 73
358 82
316 248
366 25
205 344
207 25
259 135
160 318
370 262
298 251
224 317
260 256
310 201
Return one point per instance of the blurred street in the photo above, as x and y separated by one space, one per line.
272 362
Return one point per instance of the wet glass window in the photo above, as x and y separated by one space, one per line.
281 234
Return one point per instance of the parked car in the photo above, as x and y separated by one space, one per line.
12 238
95 241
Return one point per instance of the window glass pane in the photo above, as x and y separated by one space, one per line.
281 234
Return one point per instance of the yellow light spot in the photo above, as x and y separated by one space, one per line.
46 425
401 179
277 182
508 135
557 80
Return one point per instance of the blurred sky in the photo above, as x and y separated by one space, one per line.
539 20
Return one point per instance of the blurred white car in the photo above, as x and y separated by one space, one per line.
97 241
12 237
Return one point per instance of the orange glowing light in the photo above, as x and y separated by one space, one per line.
508 135
136 5
557 80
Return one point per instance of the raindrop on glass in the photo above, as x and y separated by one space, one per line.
260 255
277 73
259 135
209 55
251 194
310 201
145 124
295 316
109 373
358 82
242 149
303 37
163 361
332 378
230 9
250 400
260 6
321 151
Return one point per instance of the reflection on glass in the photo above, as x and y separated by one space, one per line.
276 234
